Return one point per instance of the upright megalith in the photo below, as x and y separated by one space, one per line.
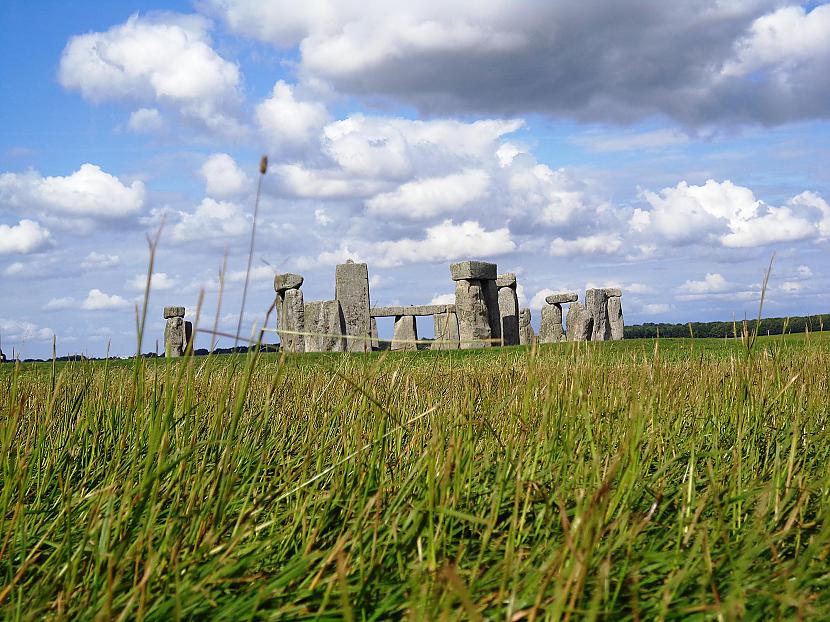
476 303
526 335
405 334
446 331
579 323
177 332
596 303
326 326
508 309
550 330
615 317
373 332
291 311
351 289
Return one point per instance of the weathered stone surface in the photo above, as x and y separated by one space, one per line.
491 299
471 310
405 334
550 331
174 337
579 323
509 315
188 334
596 302
412 310
283 282
615 318
473 270
2 357
173 312
526 335
558 299
292 320
507 279
324 318
351 289
446 331
373 331
613 291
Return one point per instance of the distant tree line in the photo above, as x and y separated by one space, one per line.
769 326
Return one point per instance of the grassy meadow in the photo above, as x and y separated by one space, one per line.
635 480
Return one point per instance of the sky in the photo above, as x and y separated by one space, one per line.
669 149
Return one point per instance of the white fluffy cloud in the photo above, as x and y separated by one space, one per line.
97 300
286 120
425 198
166 59
712 283
600 244
100 261
25 237
18 332
59 304
223 177
89 192
145 120
161 281
211 220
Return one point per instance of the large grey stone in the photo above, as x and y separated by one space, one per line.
491 299
174 337
283 282
373 331
446 331
579 323
405 334
613 292
471 310
596 302
411 310
550 331
509 315
173 312
188 334
292 320
324 318
473 270
558 299
525 328
351 289
507 279
615 318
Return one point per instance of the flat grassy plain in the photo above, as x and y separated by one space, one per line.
636 480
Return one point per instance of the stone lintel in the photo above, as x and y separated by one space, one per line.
558 299
473 270
413 310
613 292
284 282
173 312
506 280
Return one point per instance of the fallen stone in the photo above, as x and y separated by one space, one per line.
596 303
173 312
509 315
373 325
579 323
471 310
558 299
351 289
550 331
446 331
283 282
174 337
506 280
526 335
324 318
473 270
292 320
419 310
405 334
615 318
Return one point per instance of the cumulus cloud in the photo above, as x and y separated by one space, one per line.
59 304
712 283
223 177
600 244
715 286
100 261
145 120
97 300
164 58
88 193
212 220
18 332
429 197
656 308
694 61
284 119
161 281
443 299
25 237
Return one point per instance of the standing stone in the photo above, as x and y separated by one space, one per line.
292 320
473 318
446 331
283 282
324 318
579 323
550 330
373 331
596 303
491 298
508 309
526 335
351 289
615 318
406 333
175 332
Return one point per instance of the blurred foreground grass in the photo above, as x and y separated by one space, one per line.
684 479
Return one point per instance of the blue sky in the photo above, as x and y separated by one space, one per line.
666 148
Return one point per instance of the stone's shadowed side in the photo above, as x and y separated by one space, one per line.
508 310
373 331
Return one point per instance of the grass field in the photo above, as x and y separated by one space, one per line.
679 479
